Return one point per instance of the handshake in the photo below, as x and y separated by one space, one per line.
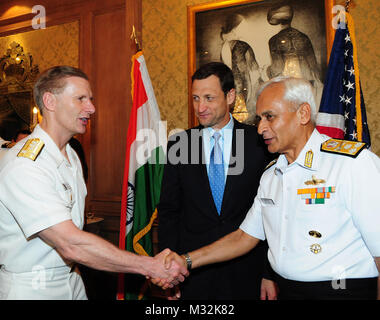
167 269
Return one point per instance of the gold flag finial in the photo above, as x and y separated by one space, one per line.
347 5
350 4
134 37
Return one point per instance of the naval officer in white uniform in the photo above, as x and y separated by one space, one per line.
42 197
316 206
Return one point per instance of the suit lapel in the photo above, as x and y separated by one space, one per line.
230 181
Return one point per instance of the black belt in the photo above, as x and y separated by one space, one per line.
355 289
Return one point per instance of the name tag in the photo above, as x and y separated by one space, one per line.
267 202
68 194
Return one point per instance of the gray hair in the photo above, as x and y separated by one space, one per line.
297 91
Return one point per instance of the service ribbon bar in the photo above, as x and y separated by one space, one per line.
315 195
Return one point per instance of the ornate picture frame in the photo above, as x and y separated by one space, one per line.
260 39
17 77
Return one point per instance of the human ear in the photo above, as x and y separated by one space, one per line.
231 96
304 113
49 101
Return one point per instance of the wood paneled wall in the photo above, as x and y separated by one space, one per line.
105 52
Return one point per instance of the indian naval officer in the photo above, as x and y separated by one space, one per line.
42 197
316 205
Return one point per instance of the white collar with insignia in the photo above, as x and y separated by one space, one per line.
50 145
308 157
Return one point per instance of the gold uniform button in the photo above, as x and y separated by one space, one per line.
315 248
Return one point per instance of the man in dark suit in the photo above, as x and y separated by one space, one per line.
192 213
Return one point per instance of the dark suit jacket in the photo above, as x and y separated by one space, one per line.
188 218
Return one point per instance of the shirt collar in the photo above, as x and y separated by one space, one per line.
309 155
227 128
51 146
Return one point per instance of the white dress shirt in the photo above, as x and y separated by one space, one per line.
225 142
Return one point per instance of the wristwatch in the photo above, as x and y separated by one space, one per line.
188 261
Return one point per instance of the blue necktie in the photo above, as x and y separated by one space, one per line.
216 173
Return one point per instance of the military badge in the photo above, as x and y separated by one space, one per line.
314 181
315 195
343 147
309 159
31 149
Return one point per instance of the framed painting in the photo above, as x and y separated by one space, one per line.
259 40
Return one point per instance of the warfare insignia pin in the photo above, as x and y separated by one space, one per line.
314 181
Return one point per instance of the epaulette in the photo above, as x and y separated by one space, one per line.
343 147
270 164
31 149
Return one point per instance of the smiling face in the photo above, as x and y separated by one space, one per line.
211 105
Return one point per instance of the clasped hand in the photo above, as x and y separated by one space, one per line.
172 269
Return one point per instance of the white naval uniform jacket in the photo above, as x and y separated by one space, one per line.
35 195
336 238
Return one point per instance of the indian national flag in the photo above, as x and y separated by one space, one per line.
144 162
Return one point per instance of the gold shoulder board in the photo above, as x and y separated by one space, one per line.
343 147
31 149
270 164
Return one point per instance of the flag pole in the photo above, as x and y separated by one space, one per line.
132 18
140 179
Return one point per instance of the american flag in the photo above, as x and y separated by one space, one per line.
342 112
